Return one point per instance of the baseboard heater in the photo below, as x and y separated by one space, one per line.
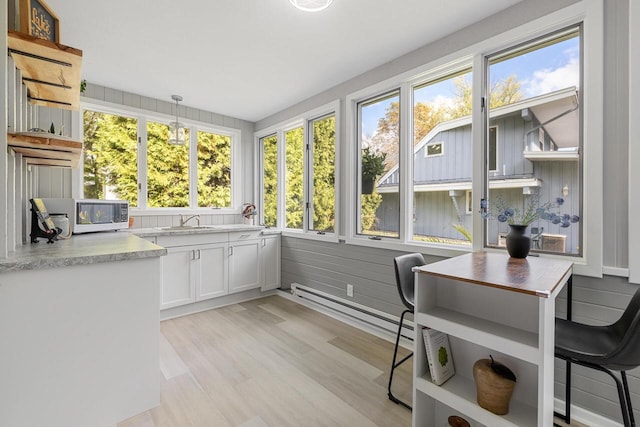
375 321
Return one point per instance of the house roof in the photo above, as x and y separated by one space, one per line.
545 107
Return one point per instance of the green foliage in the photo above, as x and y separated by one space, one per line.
294 184
368 206
167 168
462 230
110 163
372 163
270 180
214 170
110 156
324 174
443 356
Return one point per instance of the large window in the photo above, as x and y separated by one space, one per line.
379 146
307 176
536 98
515 121
198 174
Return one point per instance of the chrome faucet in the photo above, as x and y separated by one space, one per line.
184 221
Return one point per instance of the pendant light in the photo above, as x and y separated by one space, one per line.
311 5
176 129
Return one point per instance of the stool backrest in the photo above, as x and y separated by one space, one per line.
627 354
405 278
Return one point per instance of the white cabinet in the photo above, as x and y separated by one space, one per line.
270 261
209 265
488 303
194 269
211 274
177 279
244 261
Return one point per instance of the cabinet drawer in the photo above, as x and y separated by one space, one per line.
236 236
191 239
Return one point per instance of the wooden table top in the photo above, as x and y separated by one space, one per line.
531 275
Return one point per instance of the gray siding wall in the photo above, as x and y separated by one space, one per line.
329 267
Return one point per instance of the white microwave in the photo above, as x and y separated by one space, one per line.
89 215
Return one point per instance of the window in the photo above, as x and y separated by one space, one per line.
294 179
110 157
379 145
492 147
214 170
167 169
536 133
433 149
322 192
442 116
535 93
306 177
130 158
269 159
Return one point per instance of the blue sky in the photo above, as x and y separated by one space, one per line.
542 71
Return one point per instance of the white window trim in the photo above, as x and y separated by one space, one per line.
143 116
280 129
426 149
588 11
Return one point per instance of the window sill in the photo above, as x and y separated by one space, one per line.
328 237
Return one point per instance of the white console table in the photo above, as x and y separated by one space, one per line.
489 304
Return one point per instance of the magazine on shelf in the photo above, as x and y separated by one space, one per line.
439 356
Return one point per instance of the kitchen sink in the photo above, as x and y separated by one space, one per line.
184 227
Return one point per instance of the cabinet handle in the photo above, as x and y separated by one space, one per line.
198 254
230 250
264 242
193 254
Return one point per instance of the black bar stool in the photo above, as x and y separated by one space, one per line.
614 347
405 280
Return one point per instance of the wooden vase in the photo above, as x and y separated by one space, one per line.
493 391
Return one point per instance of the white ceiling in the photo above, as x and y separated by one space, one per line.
249 58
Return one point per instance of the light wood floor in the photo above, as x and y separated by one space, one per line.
272 362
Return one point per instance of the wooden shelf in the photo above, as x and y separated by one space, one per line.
51 71
46 149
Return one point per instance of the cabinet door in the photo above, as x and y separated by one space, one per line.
244 265
177 281
270 260
211 271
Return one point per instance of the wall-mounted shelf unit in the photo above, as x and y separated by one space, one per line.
51 71
41 148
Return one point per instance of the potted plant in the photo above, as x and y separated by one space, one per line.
372 168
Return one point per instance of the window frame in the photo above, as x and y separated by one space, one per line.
590 13
280 129
144 116
426 149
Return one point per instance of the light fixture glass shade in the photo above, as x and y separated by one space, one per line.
311 5
176 129
176 133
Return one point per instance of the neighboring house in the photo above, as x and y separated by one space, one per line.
533 147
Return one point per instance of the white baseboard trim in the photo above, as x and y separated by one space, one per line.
583 416
382 325
209 304
385 326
